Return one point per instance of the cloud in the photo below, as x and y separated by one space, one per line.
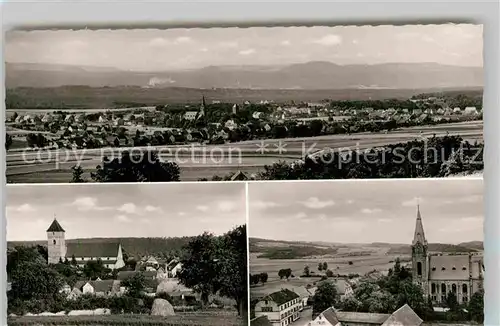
204 50
384 220
129 208
329 40
145 220
285 43
370 210
300 215
150 208
181 213
85 203
228 44
202 208
355 41
226 206
183 39
264 204
315 203
24 208
350 202
159 42
247 52
412 202
122 218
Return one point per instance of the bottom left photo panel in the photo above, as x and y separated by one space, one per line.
127 254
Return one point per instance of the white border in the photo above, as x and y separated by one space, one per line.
115 14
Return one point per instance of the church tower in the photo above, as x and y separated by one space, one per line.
56 243
420 261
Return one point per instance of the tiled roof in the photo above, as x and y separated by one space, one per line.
403 316
361 317
92 250
282 296
55 227
260 321
441 267
331 316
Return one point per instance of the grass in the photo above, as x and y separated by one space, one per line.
184 319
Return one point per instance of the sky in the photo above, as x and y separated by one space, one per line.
125 210
172 49
367 211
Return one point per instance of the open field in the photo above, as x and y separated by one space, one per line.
203 162
184 319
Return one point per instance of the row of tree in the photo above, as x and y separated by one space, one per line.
258 278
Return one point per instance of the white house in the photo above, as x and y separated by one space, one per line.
173 268
190 115
230 124
281 308
103 288
470 110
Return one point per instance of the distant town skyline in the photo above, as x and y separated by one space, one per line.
126 210
366 211
173 49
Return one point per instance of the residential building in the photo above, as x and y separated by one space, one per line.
109 253
404 316
103 288
281 308
439 274
173 268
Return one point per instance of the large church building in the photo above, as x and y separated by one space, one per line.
441 273
110 254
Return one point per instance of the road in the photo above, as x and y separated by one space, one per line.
197 161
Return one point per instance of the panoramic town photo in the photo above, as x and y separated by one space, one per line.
257 103
381 252
110 254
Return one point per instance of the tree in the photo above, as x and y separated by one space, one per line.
135 285
325 266
143 167
77 174
329 273
263 277
476 307
451 301
324 298
320 267
306 271
73 260
94 269
8 141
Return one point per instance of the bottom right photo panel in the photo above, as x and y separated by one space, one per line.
366 252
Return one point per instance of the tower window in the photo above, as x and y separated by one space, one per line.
54 241
419 269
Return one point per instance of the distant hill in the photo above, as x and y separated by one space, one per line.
68 97
276 248
308 76
132 246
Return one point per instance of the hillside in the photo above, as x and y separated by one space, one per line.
309 76
161 247
436 247
71 97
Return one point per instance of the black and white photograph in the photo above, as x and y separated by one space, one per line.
367 252
254 103
127 254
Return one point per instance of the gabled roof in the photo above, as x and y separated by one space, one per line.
449 267
260 321
98 249
282 296
55 227
330 315
402 317
361 317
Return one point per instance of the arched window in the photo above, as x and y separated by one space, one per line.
443 288
54 241
454 288
419 269
464 288
433 288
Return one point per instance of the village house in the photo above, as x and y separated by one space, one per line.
173 268
281 308
110 254
404 316
101 288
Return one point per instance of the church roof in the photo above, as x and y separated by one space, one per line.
98 249
449 267
361 317
403 316
330 315
419 236
55 227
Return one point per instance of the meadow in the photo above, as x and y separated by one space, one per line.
181 319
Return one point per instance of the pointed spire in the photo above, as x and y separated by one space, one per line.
419 236
55 226
203 101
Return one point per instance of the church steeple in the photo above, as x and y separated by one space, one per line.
419 236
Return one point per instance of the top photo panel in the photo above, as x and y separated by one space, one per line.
233 104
